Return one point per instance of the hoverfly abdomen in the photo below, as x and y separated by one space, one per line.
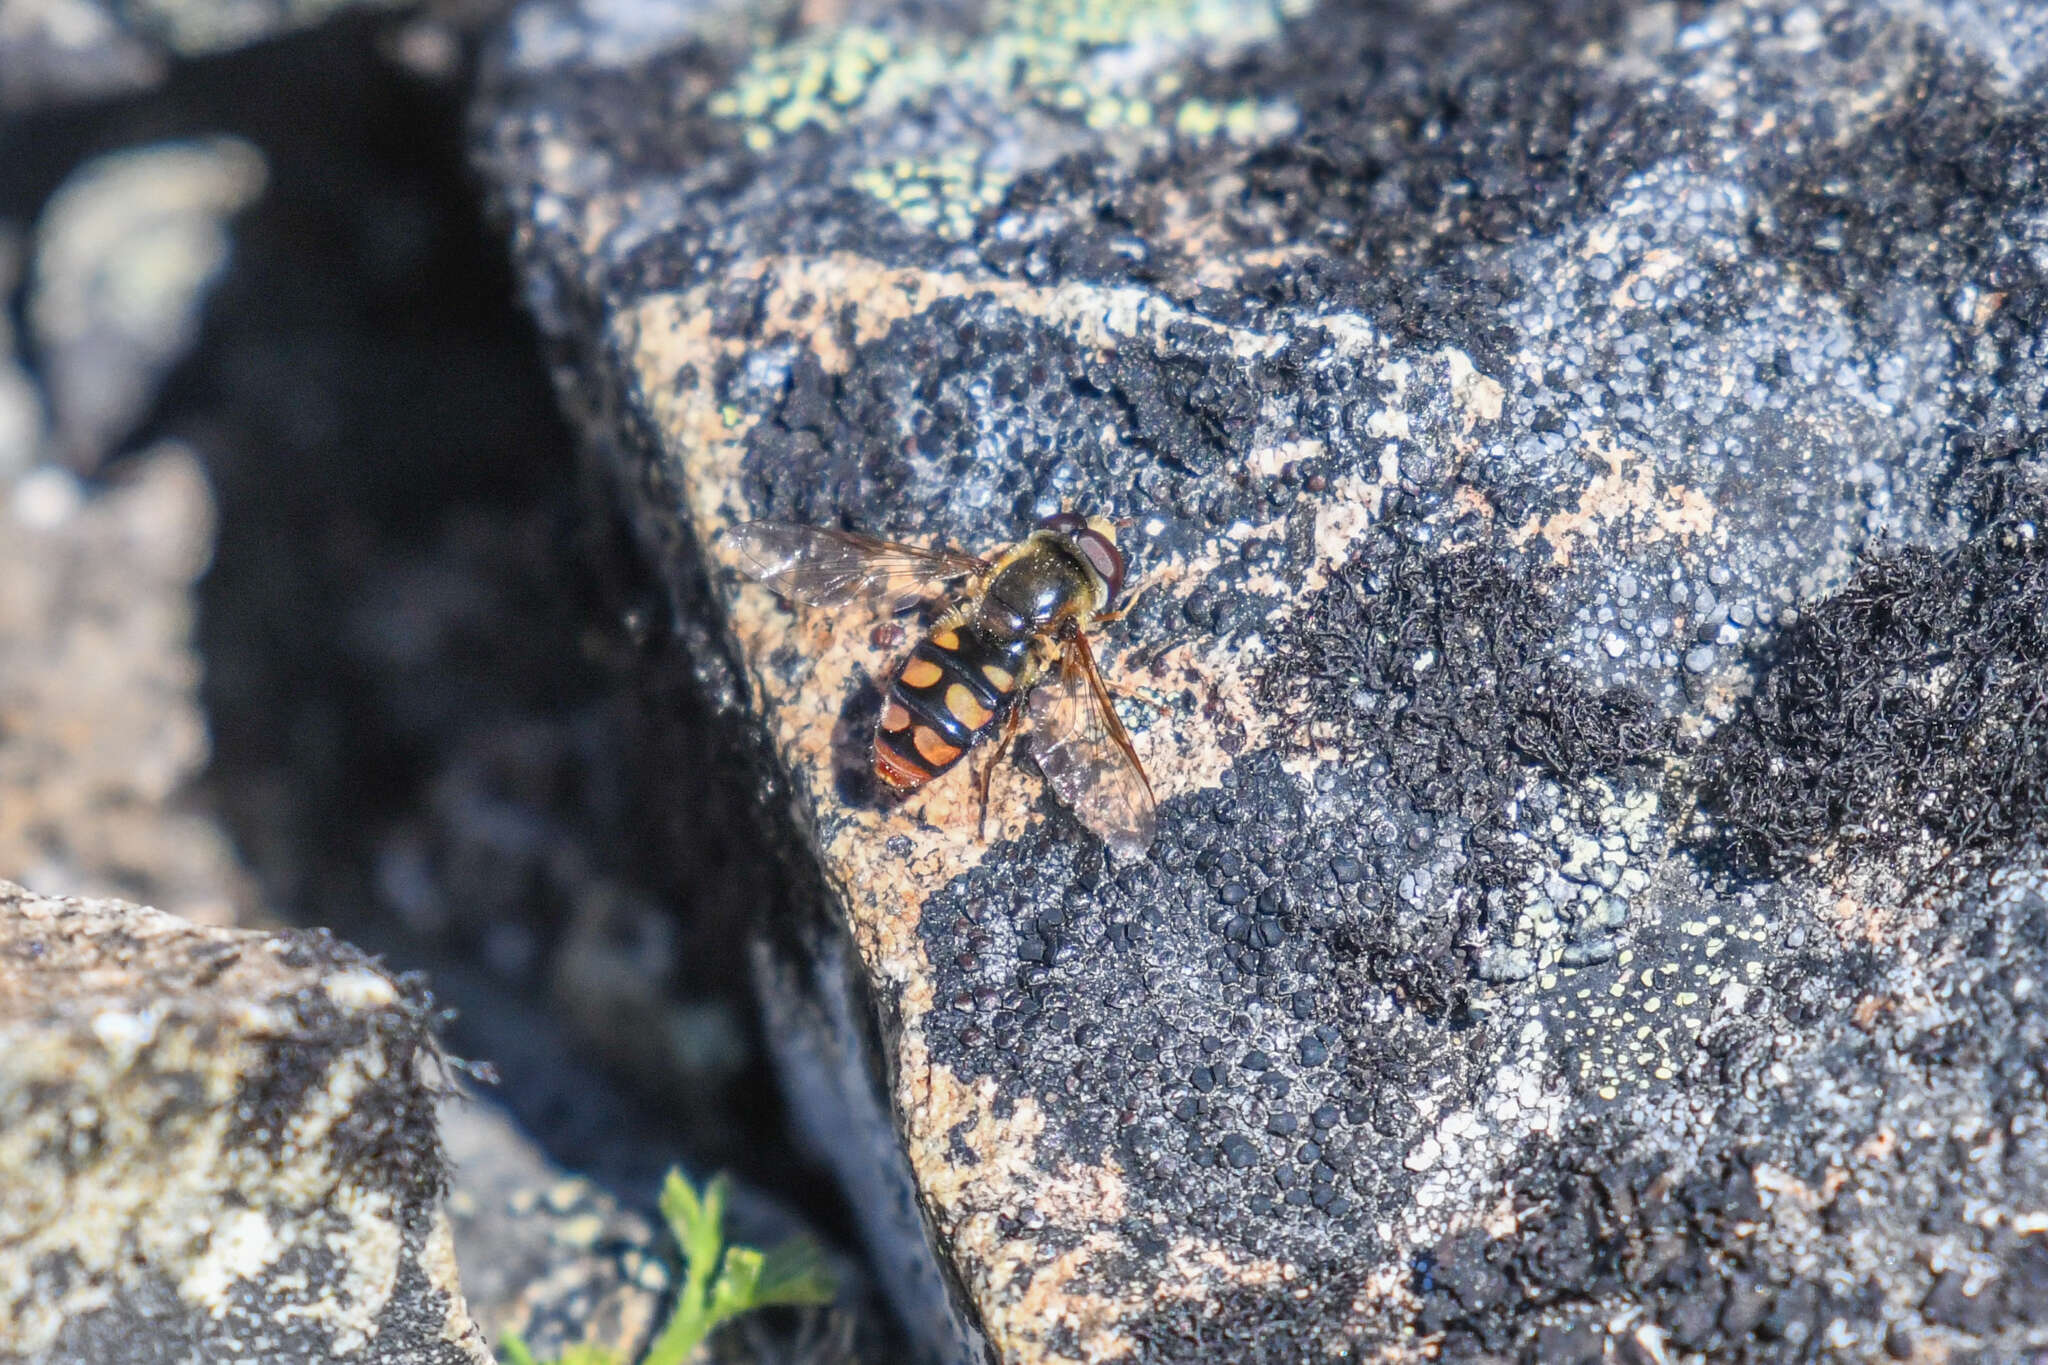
954 686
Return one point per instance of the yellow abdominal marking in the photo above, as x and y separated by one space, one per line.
966 707
894 717
946 638
1002 678
921 672
936 751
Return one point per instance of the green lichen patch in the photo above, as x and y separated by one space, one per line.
1091 67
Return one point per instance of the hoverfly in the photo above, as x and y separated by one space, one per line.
1011 649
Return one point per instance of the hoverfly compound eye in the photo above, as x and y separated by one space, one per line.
1066 523
1103 556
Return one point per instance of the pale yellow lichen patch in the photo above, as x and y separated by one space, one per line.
1626 497
1038 60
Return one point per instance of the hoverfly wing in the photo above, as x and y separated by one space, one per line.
826 568
1087 757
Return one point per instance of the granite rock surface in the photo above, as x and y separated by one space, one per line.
219 1145
1585 471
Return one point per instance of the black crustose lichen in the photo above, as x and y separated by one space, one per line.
1440 663
1909 710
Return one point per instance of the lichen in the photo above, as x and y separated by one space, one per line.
1904 717
1028 60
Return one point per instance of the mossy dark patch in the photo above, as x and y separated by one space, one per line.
1262 1326
150 1320
1428 136
1906 715
911 425
1441 664
1918 199
1596 1225
1921 194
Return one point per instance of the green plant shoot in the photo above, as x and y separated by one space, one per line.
719 1282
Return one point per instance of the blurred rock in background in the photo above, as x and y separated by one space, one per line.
125 252
55 53
217 1144
99 708
21 404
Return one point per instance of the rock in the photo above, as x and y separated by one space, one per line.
811 1012
196 28
21 406
125 253
1406 339
217 1144
101 734
61 51
21 419
543 1253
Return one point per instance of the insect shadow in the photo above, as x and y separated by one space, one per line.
853 751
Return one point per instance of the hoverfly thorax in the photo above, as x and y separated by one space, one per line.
1093 539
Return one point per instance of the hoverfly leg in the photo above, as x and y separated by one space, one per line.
1126 692
1012 723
